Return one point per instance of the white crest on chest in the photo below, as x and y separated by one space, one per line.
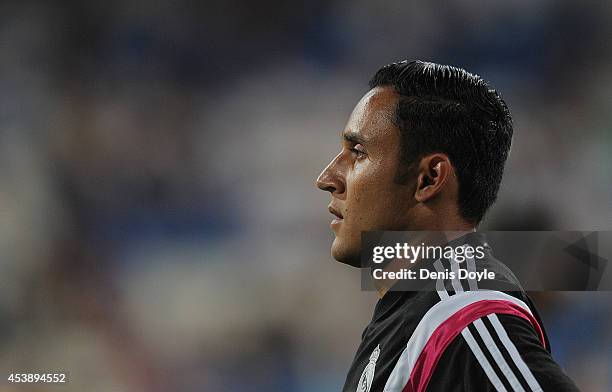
365 381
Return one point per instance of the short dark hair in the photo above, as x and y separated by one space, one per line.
447 109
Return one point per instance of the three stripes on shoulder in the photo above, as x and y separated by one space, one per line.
474 315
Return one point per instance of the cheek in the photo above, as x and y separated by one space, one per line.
375 201
368 176
369 190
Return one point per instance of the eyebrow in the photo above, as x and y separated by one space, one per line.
353 137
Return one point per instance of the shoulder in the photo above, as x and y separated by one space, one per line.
479 337
499 352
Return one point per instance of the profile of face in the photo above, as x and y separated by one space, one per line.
362 177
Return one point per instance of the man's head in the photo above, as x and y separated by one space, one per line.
424 149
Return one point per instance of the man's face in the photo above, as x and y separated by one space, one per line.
364 195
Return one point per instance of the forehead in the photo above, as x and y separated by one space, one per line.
372 117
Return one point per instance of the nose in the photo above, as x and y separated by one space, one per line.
331 179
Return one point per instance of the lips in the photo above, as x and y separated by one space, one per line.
335 212
338 216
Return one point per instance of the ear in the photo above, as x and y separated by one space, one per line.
434 173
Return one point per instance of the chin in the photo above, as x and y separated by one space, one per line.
346 255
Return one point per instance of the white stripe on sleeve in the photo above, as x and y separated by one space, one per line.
440 282
497 355
471 266
484 362
514 354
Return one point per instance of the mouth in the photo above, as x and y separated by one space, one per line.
338 218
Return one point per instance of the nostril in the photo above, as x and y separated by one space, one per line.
325 184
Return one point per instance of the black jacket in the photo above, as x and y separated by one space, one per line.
457 335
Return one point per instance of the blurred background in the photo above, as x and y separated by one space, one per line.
159 225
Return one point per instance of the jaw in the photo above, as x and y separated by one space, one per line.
346 256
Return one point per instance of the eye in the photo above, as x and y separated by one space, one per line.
359 151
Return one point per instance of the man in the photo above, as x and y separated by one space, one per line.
425 149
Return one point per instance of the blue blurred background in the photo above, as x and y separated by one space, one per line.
159 225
